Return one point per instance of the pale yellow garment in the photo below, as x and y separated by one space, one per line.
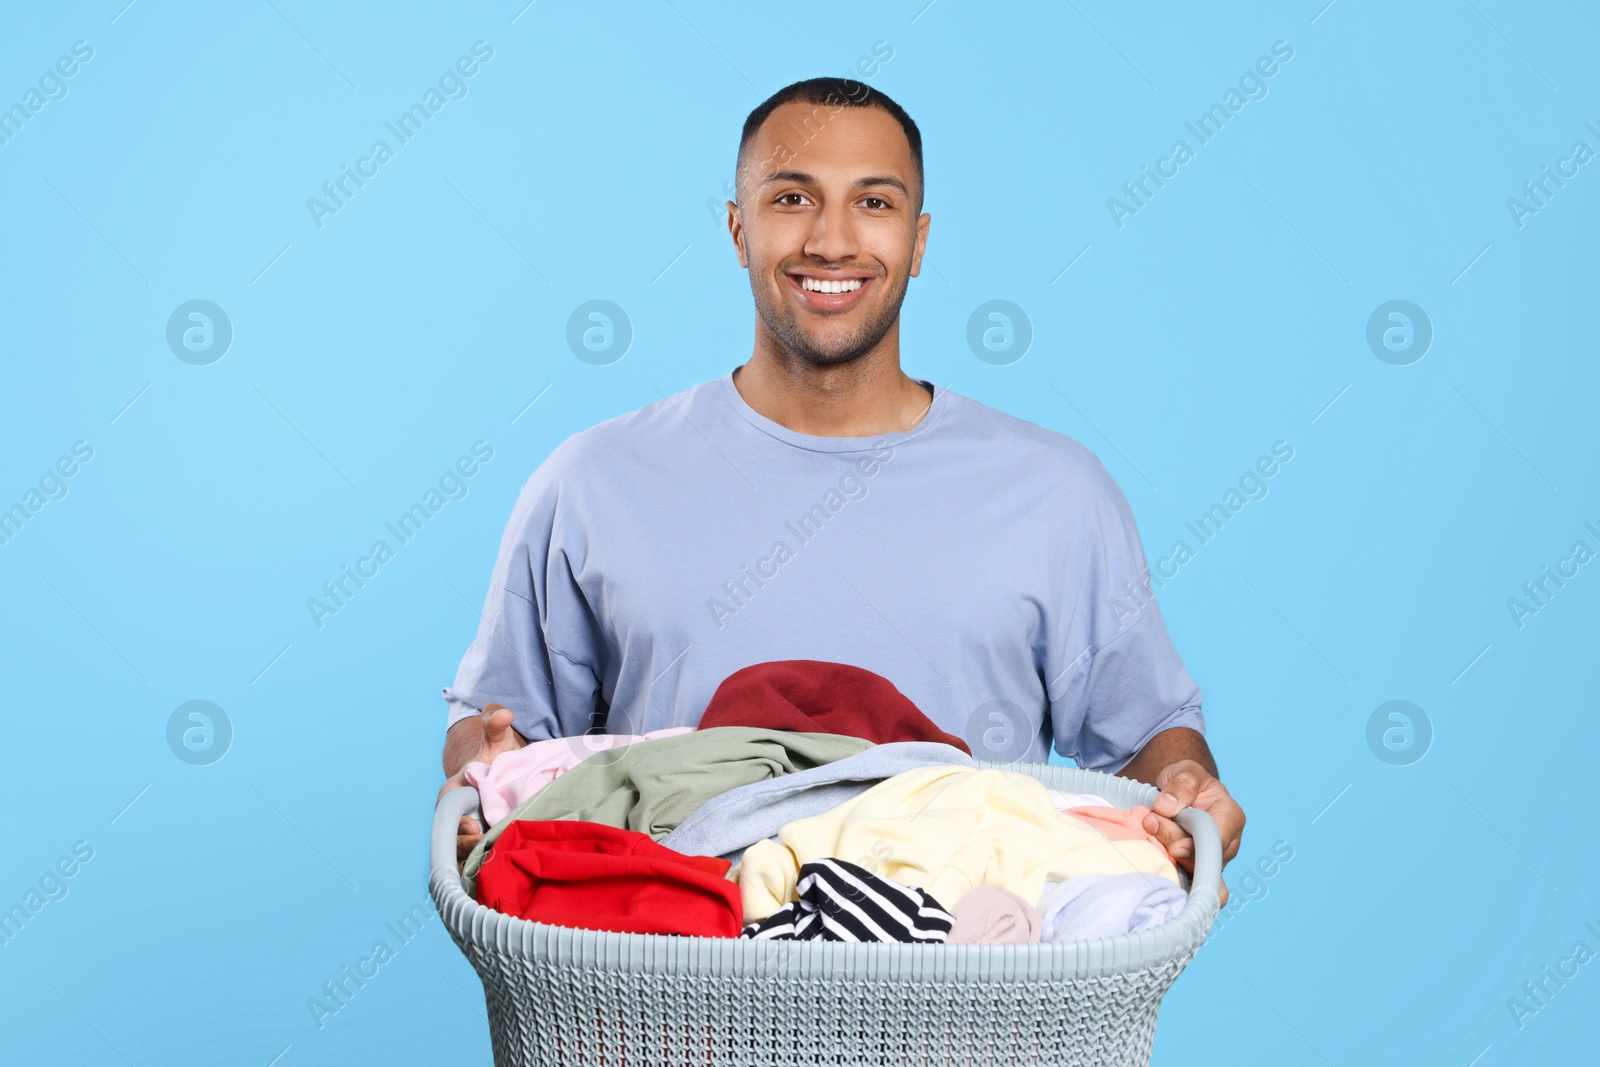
945 829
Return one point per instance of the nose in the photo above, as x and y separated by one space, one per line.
832 237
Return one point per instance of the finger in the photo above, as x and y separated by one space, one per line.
1230 848
1227 815
1174 838
468 825
465 843
1180 790
1230 820
1169 833
1222 895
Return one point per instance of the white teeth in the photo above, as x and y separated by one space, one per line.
818 286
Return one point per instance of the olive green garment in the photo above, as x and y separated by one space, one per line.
652 786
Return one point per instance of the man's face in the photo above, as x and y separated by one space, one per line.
837 208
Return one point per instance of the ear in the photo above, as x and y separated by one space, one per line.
920 244
736 231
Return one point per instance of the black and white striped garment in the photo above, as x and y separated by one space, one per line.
840 901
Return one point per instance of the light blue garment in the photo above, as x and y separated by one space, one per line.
988 567
732 821
1105 905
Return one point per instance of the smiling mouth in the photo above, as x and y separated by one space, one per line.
828 294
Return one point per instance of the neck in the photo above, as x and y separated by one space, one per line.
865 397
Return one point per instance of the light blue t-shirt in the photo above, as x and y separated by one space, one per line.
988 567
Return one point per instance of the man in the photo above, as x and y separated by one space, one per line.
819 503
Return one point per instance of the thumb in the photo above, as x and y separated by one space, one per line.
496 721
1181 787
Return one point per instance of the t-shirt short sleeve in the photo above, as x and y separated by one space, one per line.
1121 681
536 650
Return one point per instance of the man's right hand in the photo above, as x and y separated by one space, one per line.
493 735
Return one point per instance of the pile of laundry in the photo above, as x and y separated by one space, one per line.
814 801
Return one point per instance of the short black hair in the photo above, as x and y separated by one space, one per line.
832 92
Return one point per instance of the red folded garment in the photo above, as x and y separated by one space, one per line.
567 872
816 696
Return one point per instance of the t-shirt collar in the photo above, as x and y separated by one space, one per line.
831 444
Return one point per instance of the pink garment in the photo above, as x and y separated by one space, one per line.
513 777
1118 824
993 915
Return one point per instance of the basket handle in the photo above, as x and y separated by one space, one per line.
1207 850
446 818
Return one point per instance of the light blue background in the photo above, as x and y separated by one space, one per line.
1228 314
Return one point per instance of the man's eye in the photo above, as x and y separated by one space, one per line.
786 196
876 200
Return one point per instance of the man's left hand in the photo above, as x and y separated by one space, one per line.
1188 784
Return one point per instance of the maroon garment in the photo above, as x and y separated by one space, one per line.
567 872
815 696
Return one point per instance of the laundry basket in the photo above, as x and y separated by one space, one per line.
580 998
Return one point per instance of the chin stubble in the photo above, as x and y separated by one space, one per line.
786 328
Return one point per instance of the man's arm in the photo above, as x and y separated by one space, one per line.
1179 763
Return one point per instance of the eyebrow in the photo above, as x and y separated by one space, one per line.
802 178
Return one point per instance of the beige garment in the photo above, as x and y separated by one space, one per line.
945 829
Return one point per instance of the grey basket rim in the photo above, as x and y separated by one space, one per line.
487 929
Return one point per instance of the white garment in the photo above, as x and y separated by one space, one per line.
1063 801
1105 905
